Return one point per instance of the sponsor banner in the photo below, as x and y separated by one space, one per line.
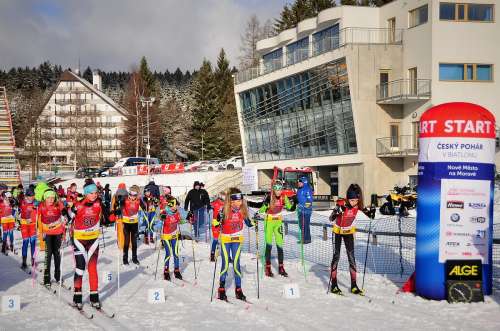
459 236
456 149
456 173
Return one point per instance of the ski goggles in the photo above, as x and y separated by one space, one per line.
237 196
172 203
277 187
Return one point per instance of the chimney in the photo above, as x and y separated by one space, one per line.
96 80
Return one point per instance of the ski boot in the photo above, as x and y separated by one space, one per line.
135 260
282 271
125 259
269 272
166 274
94 301
212 257
356 290
222 292
177 273
334 289
239 294
12 248
4 248
146 240
24 266
151 240
77 300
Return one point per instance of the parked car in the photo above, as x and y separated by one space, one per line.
104 170
209 166
236 162
129 162
87 172
193 166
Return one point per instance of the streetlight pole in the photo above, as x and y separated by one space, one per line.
147 101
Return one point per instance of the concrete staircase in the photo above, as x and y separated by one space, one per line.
9 166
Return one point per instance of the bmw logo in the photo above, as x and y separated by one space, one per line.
455 217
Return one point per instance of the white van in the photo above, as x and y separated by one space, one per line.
129 162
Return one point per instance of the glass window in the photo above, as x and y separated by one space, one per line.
484 72
418 16
326 40
451 71
446 11
473 12
297 51
273 61
479 12
465 72
461 12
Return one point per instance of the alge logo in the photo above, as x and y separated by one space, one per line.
478 219
455 204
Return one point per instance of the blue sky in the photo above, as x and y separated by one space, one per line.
114 34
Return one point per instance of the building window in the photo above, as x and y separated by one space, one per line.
418 16
465 72
297 51
469 12
273 61
326 40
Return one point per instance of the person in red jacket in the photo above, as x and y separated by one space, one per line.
51 214
344 217
231 220
170 236
86 230
8 221
129 214
28 226
217 205
72 195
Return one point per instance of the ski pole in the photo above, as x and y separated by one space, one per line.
215 268
258 255
302 244
331 266
157 260
366 253
194 258
62 260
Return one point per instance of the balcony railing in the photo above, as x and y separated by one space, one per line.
404 91
361 36
397 146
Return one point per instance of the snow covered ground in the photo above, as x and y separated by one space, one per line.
188 305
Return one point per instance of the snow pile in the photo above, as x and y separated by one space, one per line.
188 305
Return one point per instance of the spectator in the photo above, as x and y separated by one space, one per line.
197 204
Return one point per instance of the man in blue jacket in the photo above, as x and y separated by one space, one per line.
304 209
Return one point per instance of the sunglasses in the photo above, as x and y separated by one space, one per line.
237 196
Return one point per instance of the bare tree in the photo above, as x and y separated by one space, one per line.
248 48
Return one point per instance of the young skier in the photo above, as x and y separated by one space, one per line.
344 218
273 207
230 221
170 236
217 205
117 202
151 204
28 226
8 221
51 215
129 214
86 230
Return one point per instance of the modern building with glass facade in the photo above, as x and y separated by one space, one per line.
343 92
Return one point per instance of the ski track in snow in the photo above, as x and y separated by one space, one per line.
188 305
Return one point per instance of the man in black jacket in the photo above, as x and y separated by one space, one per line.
196 200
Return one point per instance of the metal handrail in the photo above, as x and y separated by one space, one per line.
348 35
404 88
397 145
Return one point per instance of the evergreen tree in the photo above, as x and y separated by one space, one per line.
205 111
300 10
87 74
